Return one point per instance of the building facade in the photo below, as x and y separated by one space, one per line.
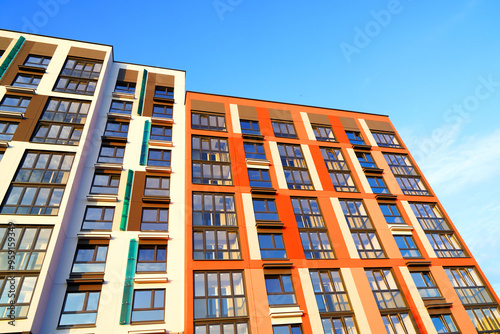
129 205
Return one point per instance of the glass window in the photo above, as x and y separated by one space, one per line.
425 284
284 129
7 130
66 111
164 92
98 218
265 209
365 160
386 139
57 134
391 213
121 107
407 246
323 133
80 308
159 158
89 259
254 150
225 327
78 77
163 133
37 61
125 87
469 287
398 323
116 129
272 246
211 162
280 290
295 167
214 210
44 167
385 289
157 186
287 329
444 324
27 81
408 179
339 172
259 178
485 319
17 104
204 121
152 258
23 287
355 137
154 219
106 184
111 154
377 184
331 295
148 305
162 111
32 200
334 325
250 127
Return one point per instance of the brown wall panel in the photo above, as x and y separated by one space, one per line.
379 126
43 49
319 119
248 113
349 124
127 75
165 80
208 106
30 120
86 53
4 43
278 114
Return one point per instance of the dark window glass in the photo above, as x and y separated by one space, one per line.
125 87
154 219
408 179
17 104
377 184
37 61
444 324
295 167
254 151
152 258
287 329
338 170
283 129
27 81
265 209
57 134
98 218
250 127
164 92
80 308
211 162
391 213
90 259
65 111
259 178
78 77
121 107
272 246
148 305
116 129
280 290
204 121
162 111
159 132
355 137
159 158
323 133
111 154
365 160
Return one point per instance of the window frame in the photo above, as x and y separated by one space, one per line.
164 129
124 109
120 132
211 161
163 161
125 87
408 249
321 133
84 308
161 212
152 307
284 129
20 106
164 92
102 220
32 83
339 172
58 134
111 159
386 139
276 239
264 180
282 293
426 285
78 78
105 183
252 129
93 262
159 191
167 111
198 119
6 285
6 132
39 64
295 167
376 180
355 137
154 261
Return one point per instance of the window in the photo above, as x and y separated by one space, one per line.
287 329
355 137
386 139
120 107
159 158
78 76
157 186
250 127
98 218
323 133
111 154
152 258
17 104
295 167
391 213
397 323
37 61
440 235
65 111
35 200
215 228
116 129
219 295
125 87
407 246
27 81
339 172
408 179
283 129
280 290
163 133
57 134
30 245
333 325
225 328
7 130
485 319
377 184
164 92
265 209
254 150
312 229
80 308
272 246
89 259
154 219
162 111
148 305
45 167
444 324
468 286
259 178
105 184
211 162
23 285
204 121
385 290
365 160
425 284
362 230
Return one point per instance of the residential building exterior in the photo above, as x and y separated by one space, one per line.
129 205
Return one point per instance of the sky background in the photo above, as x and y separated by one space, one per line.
433 67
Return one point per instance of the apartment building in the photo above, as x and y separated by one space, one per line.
129 205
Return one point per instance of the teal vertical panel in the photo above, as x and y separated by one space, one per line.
128 289
145 140
12 54
126 200
143 91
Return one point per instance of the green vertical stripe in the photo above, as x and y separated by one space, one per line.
12 54
143 91
145 140
128 289
126 200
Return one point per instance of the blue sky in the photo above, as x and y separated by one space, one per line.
433 67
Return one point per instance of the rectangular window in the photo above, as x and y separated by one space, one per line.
65 111
425 284
365 160
331 295
250 127
339 172
57 134
407 246
216 244
287 329
27 81
116 129
157 186
106 184
151 258
23 287
89 259
362 230
121 107
78 77
37 61
164 92
468 286
98 218
355 137
214 210
148 305
485 319
265 209
408 179
259 178
204 121
162 111
386 139
80 308
17 104
163 133
211 161
284 129
44 167
29 246
438 231
295 167
154 219
398 323
280 290
125 87
323 133
377 184
219 295
391 213
385 289
111 154
343 324
7 130
272 246
254 150
225 327
159 158
444 324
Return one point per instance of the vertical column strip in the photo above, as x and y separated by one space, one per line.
143 91
145 140
12 54
128 289
126 200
